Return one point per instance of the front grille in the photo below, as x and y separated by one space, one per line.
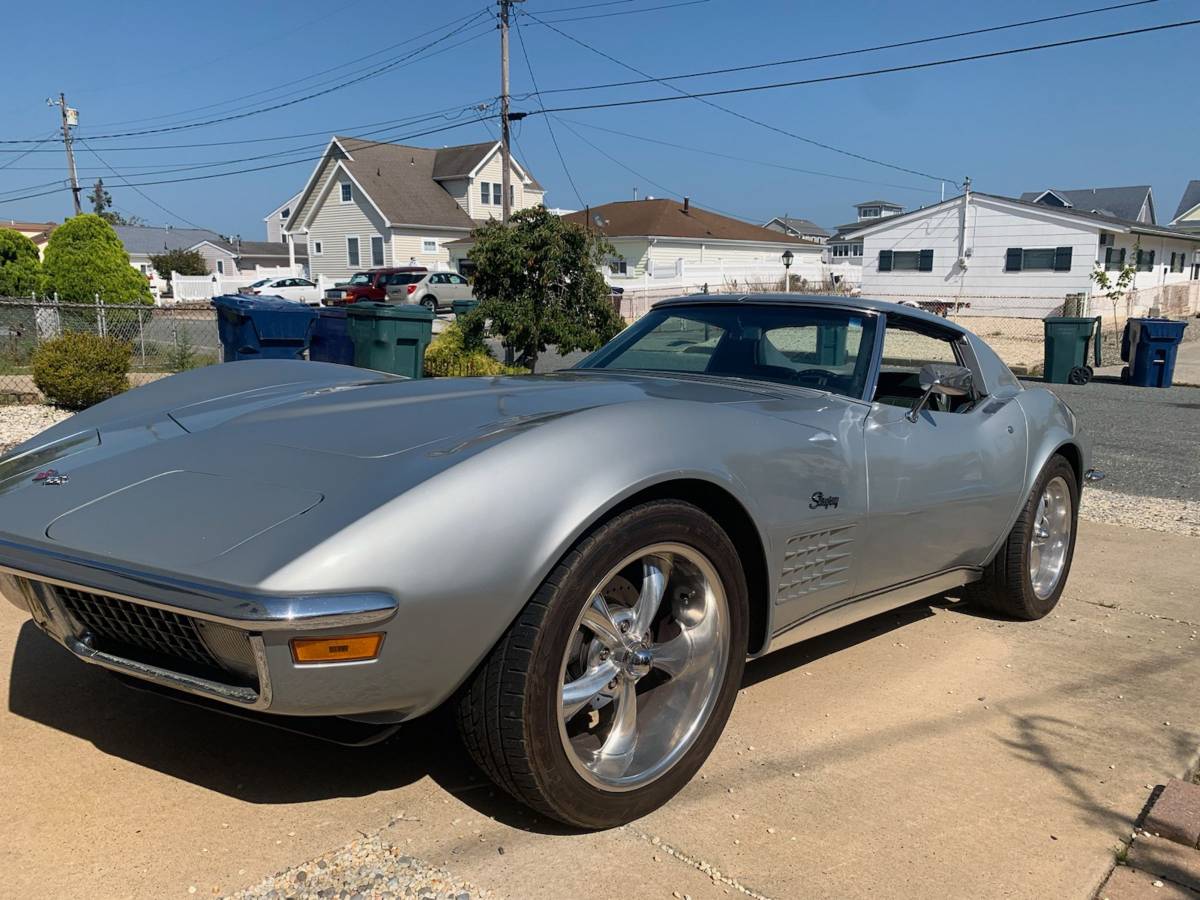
160 637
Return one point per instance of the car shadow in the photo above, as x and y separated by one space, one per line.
261 764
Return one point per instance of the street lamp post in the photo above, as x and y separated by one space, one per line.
788 256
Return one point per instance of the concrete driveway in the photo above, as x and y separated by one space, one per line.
930 751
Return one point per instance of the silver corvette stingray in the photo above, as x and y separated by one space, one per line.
580 562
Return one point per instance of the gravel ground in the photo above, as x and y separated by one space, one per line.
20 423
366 868
1133 511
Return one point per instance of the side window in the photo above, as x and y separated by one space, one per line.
906 348
457 279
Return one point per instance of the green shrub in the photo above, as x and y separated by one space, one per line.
78 370
84 257
449 356
20 268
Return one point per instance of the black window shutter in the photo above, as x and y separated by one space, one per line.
925 263
885 260
1122 261
1062 259
1152 259
1012 260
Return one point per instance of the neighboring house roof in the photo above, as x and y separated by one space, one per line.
840 232
143 240
887 203
1119 202
1111 223
36 227
458 162
290 202
1189 201
267 253
800 226
668 218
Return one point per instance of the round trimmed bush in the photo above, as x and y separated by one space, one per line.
78 370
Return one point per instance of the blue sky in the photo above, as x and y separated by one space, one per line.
1069 118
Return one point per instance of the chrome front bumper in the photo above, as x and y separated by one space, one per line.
254 615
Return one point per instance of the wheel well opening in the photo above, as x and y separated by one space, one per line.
1070 453
736 522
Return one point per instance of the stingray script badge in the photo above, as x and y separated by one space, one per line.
820 501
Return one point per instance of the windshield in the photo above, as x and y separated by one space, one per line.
824 348
361 278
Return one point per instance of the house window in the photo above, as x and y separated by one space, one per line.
352 251
317 248
1177 262
220 267
1040 259
496 201
1145 260
512 195
347 192
485 193
286 212
1114 259
869 212
618 266
905 260
376 250
429 245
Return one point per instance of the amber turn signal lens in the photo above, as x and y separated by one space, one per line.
336 649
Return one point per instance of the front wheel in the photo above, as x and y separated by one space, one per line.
613 685
1028 574
430 303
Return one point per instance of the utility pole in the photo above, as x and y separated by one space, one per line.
505 152
70 118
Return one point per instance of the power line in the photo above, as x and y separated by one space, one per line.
758 162
48 137
870 72
630 12
549 125
135 188
358 60
842 53
263 168
281 105
725 109
632 171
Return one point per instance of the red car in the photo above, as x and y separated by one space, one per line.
372 284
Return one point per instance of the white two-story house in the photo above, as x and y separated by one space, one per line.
370 204
844 251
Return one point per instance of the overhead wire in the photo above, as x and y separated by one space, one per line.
136 188
549 124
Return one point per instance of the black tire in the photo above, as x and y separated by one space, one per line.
1080 375
508 712
1007 587
430 303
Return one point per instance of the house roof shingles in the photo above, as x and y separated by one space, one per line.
1190 198
1119 202
666 218
144 239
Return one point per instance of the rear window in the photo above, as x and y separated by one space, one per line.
406 277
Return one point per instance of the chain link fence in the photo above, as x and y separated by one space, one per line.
163 340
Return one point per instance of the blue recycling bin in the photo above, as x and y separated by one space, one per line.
331 338
1150 346
263 327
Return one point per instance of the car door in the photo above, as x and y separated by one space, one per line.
941 489
458 287
307 291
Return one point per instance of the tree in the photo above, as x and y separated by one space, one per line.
85 257
185 262
20 268
538 282
1115 289
101 201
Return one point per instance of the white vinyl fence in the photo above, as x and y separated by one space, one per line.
190 288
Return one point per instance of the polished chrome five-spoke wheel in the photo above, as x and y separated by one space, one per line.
1051 537
642 673
614 683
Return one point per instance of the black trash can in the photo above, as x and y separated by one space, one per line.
263 327
331 338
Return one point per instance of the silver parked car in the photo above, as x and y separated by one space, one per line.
600 549
434 290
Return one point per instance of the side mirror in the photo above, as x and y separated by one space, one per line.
943 379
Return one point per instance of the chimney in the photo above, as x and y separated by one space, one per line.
635 193
687 202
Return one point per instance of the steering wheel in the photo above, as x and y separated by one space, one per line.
821 375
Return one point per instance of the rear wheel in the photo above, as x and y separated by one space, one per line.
430 303
616 680
1028 574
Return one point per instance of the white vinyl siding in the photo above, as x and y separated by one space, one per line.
333 222
211 255
408 246
493 172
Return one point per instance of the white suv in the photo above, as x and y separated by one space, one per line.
437 290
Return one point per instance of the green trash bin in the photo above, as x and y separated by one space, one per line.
831 345
390 337
1066 350
463 307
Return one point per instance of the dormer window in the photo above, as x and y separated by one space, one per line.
869 212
